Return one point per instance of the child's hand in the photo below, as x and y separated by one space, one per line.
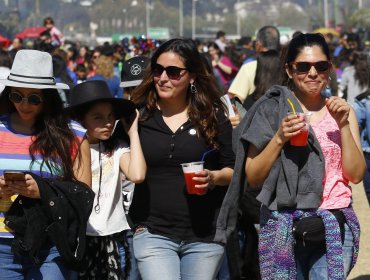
131 123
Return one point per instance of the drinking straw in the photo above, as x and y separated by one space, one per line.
206 153
291 105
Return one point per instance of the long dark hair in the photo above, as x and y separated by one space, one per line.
296 46
268 65
203 105
52 137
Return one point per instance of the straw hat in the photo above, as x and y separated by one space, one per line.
98 90
32 69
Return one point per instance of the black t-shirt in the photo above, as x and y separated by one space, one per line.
161 202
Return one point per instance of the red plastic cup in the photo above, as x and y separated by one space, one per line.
300 139
189 170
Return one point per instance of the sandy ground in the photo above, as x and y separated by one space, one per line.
362 269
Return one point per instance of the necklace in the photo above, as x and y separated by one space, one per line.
97 206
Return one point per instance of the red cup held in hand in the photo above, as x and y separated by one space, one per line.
300 140
190 169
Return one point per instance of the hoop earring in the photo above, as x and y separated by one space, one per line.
193 89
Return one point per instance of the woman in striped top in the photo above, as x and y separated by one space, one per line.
35 136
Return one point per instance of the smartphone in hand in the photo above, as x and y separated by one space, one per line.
10 175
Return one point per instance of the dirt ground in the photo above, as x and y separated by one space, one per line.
362 269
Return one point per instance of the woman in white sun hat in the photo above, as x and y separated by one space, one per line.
43 212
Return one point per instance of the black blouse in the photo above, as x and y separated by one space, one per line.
161 202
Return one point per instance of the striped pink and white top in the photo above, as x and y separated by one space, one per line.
14 155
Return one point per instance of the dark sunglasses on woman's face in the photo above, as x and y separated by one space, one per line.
33 99
305 67
173 72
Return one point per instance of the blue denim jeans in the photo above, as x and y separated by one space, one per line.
134 271
18 268
163 258
311 259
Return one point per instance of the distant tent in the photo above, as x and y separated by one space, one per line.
31 32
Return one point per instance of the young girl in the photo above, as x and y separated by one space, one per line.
93 106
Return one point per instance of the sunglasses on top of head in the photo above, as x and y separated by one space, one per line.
305 67
173 72
32 99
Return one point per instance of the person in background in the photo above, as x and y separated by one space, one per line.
245 43
94 107
299 183
201 46
83 56
222 64
17 44
362 109
268 64
81 73
182 119
268 38
43 214
355 78
56 35
133 71
132 74
112 52
221 40
44 43
71 57
5 65
105 72
91 69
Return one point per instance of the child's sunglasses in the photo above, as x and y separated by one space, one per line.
32 99
173 72
305 67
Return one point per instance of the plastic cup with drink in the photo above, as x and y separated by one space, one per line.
190 169
300 139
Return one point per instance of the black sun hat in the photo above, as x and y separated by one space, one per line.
97 90
133 71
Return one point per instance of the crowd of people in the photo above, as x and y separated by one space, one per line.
92 142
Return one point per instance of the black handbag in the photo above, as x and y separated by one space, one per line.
312 230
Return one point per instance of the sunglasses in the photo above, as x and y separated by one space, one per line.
173 72
32 99
305 67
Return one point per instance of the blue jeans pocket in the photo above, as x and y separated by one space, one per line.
140 230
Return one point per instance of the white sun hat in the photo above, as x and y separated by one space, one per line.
32 69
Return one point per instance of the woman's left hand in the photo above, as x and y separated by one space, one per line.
339 109
28 188
205 179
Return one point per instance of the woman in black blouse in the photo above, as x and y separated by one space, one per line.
182 118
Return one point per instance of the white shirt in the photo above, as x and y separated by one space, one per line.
111 217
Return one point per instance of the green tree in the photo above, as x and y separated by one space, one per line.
361 18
